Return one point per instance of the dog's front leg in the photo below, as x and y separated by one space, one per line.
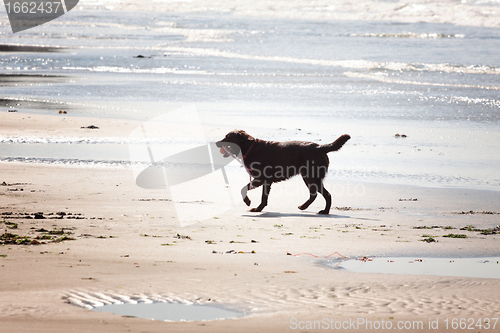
266 188
244 195
250 186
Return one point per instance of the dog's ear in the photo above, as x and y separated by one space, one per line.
240 132
246 135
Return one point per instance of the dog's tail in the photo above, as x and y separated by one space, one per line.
336 145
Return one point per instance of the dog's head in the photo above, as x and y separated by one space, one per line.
234 142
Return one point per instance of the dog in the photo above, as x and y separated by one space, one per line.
269 162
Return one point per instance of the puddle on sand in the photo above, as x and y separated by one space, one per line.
488 267
170 311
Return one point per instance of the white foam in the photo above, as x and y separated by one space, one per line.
116 69
381 78
471 12
72 162
353 64
167 28
251 85
430 35
82 140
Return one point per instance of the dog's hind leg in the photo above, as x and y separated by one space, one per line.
328 199
313 193
266 188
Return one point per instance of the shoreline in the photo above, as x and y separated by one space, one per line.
396 11
92 231
466 14
50 130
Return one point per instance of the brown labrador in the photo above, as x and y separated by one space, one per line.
269 162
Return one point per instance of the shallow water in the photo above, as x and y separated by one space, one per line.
487 267
279 79
170 311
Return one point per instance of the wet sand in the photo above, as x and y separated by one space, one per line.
12 80
124 240
29 48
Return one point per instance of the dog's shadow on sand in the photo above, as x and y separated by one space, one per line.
306 214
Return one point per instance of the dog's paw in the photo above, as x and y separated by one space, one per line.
256 210
302 207
247 201
324 212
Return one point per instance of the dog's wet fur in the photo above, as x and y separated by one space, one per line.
270 162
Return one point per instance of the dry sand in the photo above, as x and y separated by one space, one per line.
127 242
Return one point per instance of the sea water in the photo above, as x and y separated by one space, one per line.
170 311
279 78
487 267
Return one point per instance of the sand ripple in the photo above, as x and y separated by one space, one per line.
419 297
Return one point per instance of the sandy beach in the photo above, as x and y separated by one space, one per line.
112 238
95 98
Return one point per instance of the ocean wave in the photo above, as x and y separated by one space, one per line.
73 162
166 28
351 64
386 79
431 35
105 163
159 70
469 13
356 64
251 85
